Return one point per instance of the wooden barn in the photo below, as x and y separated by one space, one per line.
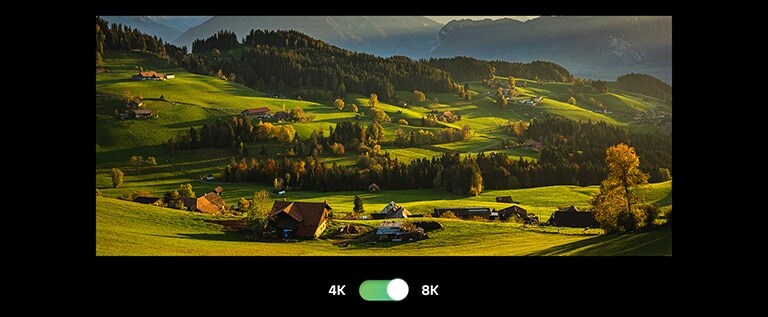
465 212
572 217
512 211
298 219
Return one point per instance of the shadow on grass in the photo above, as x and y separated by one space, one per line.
224 236
653 243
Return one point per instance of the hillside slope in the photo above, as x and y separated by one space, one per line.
126 228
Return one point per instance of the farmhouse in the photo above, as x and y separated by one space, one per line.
282 116
465 212
298 219
392 210
155 201
258 113
149 75
519 213
142 113
210 203
572 217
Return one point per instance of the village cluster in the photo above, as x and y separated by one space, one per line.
290 220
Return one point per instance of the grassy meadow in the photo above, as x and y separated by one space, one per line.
126 228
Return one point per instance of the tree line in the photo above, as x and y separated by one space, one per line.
646 85
121 37
577 149
464 68
286 60
232 133
222 40
573 154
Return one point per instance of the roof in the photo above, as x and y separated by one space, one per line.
309 215
146 200
215 199
218 189
210 203
515 209
253 111
393 210
143 111
569 209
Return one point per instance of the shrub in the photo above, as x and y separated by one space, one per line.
402 122
448 215
130 196
337 149
477 218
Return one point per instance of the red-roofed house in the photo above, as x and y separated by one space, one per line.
211 203
299 219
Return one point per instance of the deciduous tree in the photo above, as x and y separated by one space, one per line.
117 177
616 206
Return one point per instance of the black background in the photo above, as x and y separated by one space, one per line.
507 281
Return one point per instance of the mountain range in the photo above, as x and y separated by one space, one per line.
411 36
166 27
599 47
593 47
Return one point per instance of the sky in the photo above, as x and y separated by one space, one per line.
446 19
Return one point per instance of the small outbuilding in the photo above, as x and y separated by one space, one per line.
572 217
392 210
155 201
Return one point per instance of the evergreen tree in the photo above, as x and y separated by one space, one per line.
358 205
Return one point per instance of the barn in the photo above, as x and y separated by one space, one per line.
572 217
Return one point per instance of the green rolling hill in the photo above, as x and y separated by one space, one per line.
125 228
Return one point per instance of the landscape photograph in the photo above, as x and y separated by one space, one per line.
383 136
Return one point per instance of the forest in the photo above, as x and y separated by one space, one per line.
464 68
573 154
647 85
286 60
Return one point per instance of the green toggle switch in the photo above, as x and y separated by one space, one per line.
384 290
